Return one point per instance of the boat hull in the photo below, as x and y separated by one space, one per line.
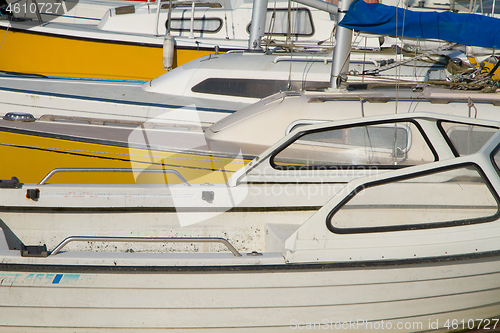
86 57
400 296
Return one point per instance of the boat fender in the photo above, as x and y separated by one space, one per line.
168 52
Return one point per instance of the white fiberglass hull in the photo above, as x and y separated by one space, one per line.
248 294
407 248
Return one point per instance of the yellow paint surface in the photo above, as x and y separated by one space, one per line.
58 56
30 158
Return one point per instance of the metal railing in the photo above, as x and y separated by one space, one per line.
58 170
147 240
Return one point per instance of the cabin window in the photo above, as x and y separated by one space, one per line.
301 22
445 198
249 88
202 24
388 145
466 139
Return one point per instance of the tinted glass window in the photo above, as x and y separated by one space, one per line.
250 88
467 139
390 144
199 24
277 22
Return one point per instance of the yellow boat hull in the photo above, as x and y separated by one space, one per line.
30 158
30 52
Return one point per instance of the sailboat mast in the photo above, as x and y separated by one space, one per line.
258 25
342 51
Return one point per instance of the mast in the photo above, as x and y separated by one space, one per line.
342 51
257 27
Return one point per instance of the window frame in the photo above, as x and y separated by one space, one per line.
447 138
221 23
284 33
349 166
420 226
492 158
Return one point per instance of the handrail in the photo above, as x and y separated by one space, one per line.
57 170
146 239
302 58
190 3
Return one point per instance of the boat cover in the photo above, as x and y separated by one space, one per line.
462 28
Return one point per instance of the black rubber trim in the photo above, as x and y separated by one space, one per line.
447 138
412 226
490 256
125 210
492 157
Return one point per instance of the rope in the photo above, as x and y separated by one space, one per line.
5 35
397 64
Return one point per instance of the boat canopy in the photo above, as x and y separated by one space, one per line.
462 28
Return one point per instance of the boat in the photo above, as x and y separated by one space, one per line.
408 239
90 145
87 142
213 86
201 86
127 43
279 114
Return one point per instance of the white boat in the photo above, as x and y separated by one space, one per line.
409 239
277 115
167 142
211 87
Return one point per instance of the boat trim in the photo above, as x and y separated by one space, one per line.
492 157
78 210
113 143
238 268
98 40
420 226
108 100
111 41
385 99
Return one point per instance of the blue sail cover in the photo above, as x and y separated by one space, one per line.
462 28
